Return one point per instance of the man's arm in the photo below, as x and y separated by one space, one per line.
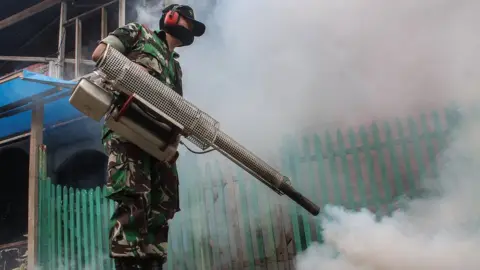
122 39
178 78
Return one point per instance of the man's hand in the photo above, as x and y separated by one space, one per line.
97 53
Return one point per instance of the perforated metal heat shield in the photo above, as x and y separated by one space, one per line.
199 127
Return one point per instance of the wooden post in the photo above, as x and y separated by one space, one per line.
62 34
121 13
104 23
36 139
78 47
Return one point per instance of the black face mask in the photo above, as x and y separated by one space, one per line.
181 33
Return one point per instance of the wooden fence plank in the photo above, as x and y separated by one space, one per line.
59 228
245 223
288 166
99 242
65 235
78 230
51 228
71 227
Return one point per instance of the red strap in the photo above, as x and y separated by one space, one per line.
146 28
124 108
138 34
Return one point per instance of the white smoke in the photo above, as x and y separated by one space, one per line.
266 68
440 232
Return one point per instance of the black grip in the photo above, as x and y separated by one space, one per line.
300 199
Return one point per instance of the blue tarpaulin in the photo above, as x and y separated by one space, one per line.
25 84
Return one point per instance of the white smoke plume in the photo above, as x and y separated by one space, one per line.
266 68
440 232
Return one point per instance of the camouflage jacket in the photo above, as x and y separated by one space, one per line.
149 49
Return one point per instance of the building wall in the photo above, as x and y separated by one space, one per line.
61 154
75 155
79 165
74 158
65 143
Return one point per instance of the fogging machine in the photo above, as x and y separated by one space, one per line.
150 110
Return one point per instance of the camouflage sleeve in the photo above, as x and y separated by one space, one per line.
123 38
179 71
179 75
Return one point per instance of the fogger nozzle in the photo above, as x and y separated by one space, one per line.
299 198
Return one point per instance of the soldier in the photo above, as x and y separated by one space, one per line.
145 189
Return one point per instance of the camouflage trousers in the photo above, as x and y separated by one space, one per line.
146 192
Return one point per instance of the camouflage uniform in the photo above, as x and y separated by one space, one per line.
145 189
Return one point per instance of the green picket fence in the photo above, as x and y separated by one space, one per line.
231 221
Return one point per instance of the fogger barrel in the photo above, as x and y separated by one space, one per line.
197 126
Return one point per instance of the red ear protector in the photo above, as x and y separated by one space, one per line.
172 17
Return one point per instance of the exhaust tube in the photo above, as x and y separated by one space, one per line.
297 197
